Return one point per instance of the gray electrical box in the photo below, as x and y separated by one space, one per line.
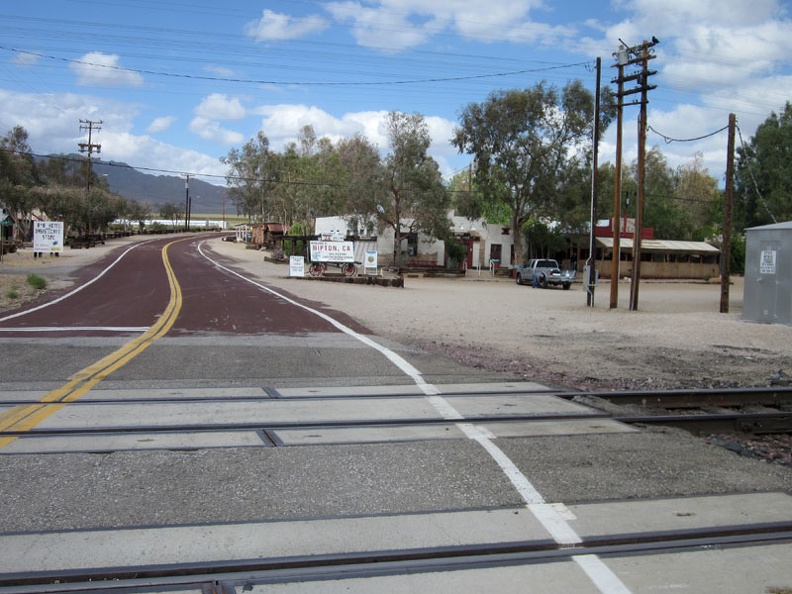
768 274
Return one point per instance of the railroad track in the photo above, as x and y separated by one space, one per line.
226 577
753 411
691 410
225 574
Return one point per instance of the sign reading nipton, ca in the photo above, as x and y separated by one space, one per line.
48 237
332 251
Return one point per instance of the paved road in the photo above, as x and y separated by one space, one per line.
175 411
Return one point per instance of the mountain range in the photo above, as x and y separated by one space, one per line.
157 190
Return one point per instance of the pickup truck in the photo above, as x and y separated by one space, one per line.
543 272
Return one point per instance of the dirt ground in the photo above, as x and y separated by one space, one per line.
676 338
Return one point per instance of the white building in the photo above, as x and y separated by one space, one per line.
486 244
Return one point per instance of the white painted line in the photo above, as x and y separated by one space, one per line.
547 515
78 289
600 574
78 329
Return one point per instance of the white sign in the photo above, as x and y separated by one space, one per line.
332 251
767 265
48 237
371 260
296 266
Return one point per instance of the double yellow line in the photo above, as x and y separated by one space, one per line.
25 417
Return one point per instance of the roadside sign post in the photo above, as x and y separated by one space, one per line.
47 237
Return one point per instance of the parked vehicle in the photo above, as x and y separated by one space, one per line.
544 272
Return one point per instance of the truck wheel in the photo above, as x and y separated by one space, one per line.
566 286
519 279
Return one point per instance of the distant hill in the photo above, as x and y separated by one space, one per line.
157 190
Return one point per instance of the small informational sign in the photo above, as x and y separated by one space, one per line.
767 265
48 237
332 251
370 263
296 266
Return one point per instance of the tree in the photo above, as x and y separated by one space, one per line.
525 143
698 192
406 191
357 175
253 177
763 173
17 175
170 212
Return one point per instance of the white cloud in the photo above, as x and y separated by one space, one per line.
25 59
160 124
282 123
382 29
273 26
211 130
52 122
218 106
103 70
394 25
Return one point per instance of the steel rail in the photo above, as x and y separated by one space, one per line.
673 398
283 425
380 563
728 422
764 422
694 398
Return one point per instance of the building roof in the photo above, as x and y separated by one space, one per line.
776 226
662 245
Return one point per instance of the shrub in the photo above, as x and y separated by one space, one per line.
36 282
13 293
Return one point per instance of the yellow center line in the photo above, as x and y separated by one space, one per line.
25 417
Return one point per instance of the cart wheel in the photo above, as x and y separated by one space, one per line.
349 269
317 269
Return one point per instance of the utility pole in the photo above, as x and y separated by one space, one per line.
636 56
89 147
622 57
592 273
186 201
727 218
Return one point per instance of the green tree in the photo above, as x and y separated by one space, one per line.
253 178
407 192
763 173
359 175
698 193
170 212
18 174
525 143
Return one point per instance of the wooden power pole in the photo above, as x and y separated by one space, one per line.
89 147
727 218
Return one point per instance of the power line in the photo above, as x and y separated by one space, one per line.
669 139
294 83
753 179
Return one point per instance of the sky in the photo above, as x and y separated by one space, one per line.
177 84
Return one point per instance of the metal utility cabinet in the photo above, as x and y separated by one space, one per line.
768 274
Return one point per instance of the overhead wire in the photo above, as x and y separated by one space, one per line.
295 82
753 179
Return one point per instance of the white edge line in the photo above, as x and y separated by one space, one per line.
548 516
77 329
72 292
